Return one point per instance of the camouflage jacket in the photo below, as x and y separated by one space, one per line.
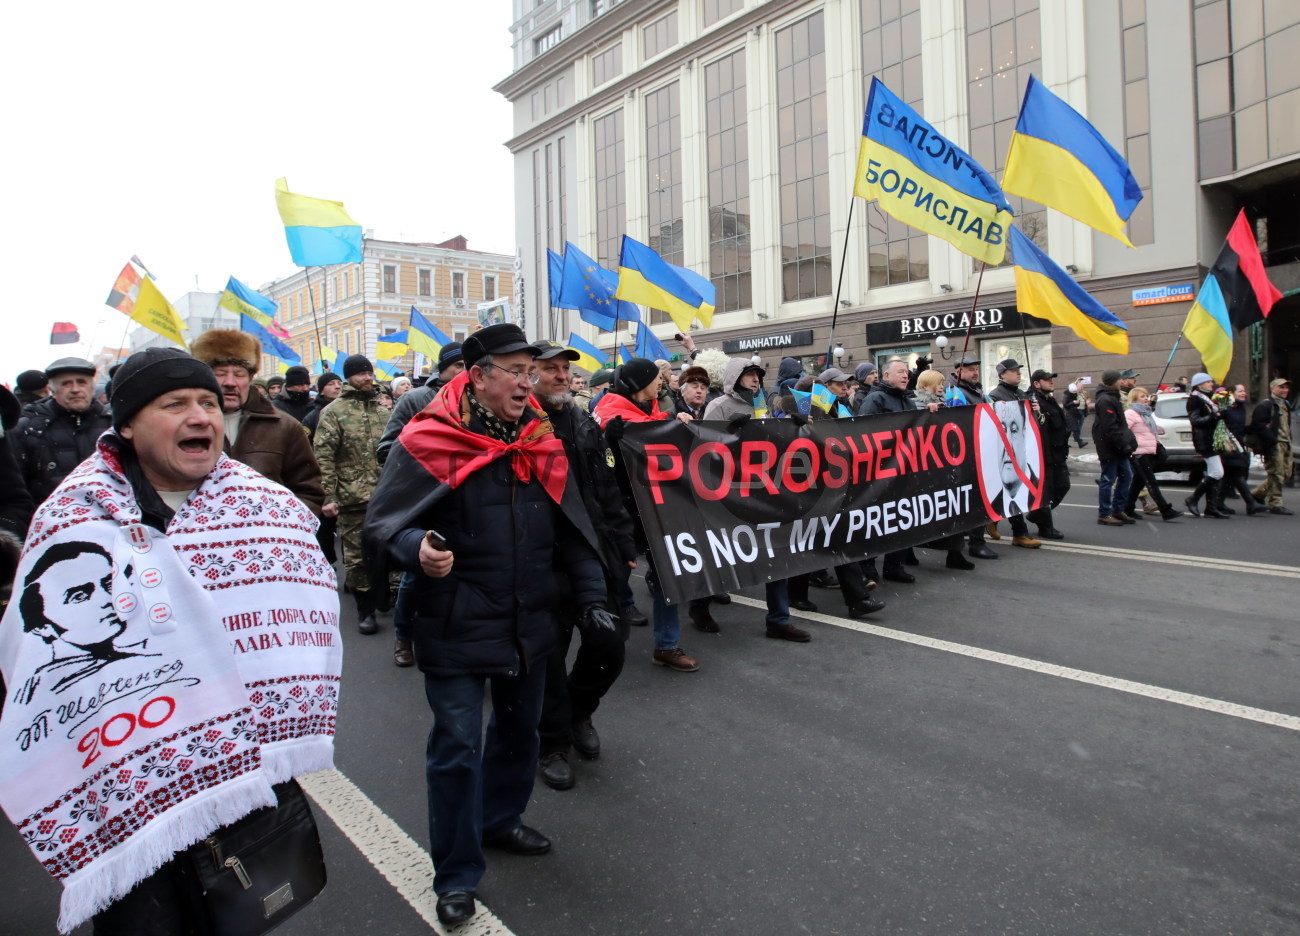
346 436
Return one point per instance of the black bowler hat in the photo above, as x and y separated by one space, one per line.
503 338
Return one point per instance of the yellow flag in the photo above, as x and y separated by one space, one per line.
154 312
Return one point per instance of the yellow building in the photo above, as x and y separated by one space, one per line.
358 303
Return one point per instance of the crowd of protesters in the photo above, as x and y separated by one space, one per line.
449 493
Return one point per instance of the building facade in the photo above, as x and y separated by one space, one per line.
351 306
724 133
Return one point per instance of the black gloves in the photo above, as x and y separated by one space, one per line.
595 615
614 429
739 421
799 419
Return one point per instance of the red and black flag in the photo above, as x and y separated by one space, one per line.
64 333
1239 271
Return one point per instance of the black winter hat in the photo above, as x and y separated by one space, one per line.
29 381
296 376
357 364
147 375
634 376
325 378
449 355
502 338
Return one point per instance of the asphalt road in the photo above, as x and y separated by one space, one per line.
1098 737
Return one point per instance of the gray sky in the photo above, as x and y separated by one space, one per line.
159 129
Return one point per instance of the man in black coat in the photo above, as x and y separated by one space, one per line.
479 501
1115 442
1008 391
573 696
1055 428
965 378
890 395
295 398
59 433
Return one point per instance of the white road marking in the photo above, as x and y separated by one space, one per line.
395 855
1200 562
1263 716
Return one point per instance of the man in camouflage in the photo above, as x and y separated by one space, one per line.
345 440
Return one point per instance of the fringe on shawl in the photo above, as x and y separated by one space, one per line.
111 877
284 759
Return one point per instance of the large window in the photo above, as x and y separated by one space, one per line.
715 10
489 287
1137 116
727 127
611 198
426 283
458 285
607 65
390 278
663 143
1003 48
891 51
801 135
660 35
547 40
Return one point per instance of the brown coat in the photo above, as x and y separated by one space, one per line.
274 444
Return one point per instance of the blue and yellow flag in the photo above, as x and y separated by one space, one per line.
704 286
256 317
1044 290
822 397
1059 159
645 277
394 346
1209 328
919 177
387 370
319 231
425 337
590 357
589 288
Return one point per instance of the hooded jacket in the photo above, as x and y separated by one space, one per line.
1110 431
50 441
787 375
733 402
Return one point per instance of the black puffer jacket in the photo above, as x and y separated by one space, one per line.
51 441
1235 417
886 399
1204 415
494 614
297 403
312 419
591 461
1055 426
1008 393
1110 431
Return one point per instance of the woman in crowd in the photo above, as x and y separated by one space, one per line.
1205 417
1142 421
1236 464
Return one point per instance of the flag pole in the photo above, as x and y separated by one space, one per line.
311 298
1160 382
973 303
839 282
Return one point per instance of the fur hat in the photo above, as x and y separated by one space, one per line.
694 375
713 360
219 346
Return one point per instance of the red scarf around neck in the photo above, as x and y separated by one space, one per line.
612 405
440 439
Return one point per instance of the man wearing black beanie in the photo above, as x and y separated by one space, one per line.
328 387
346 436
295 398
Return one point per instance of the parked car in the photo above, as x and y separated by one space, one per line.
1176 434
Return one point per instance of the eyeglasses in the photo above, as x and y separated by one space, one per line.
517 375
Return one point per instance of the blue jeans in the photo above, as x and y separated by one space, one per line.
667 624
402 608
1113 485
778 605
478 787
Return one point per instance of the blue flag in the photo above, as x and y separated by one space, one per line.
589 288
649 346
554 276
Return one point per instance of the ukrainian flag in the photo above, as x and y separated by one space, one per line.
387 370
424 337
1044 290
243 300
822 397
319 232
1060 160
708 292
332 360
919 177
392 346
590 357
645 277
1209 328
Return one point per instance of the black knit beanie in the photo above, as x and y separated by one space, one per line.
147 375
634 376
357 364
324 379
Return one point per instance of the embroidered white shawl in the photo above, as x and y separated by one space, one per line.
159 684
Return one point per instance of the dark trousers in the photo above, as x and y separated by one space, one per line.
478 786
797 587
163 904
574 696
778 603
1056 484
1144 476
853 584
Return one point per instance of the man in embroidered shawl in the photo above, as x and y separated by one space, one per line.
172 653
477 500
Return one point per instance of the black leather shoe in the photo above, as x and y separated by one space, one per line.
633 617
790 633
864 607
521 840
824 579
1283 511
703 621
368 625
403 655
555 771
910 557
980 551
803 606
723 599
898 575
1051 533
1214 513
1191 507
455 907
957 561
585 740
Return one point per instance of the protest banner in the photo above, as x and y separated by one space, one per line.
731 509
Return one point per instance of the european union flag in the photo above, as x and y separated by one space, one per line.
589 288
648 345
554 276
